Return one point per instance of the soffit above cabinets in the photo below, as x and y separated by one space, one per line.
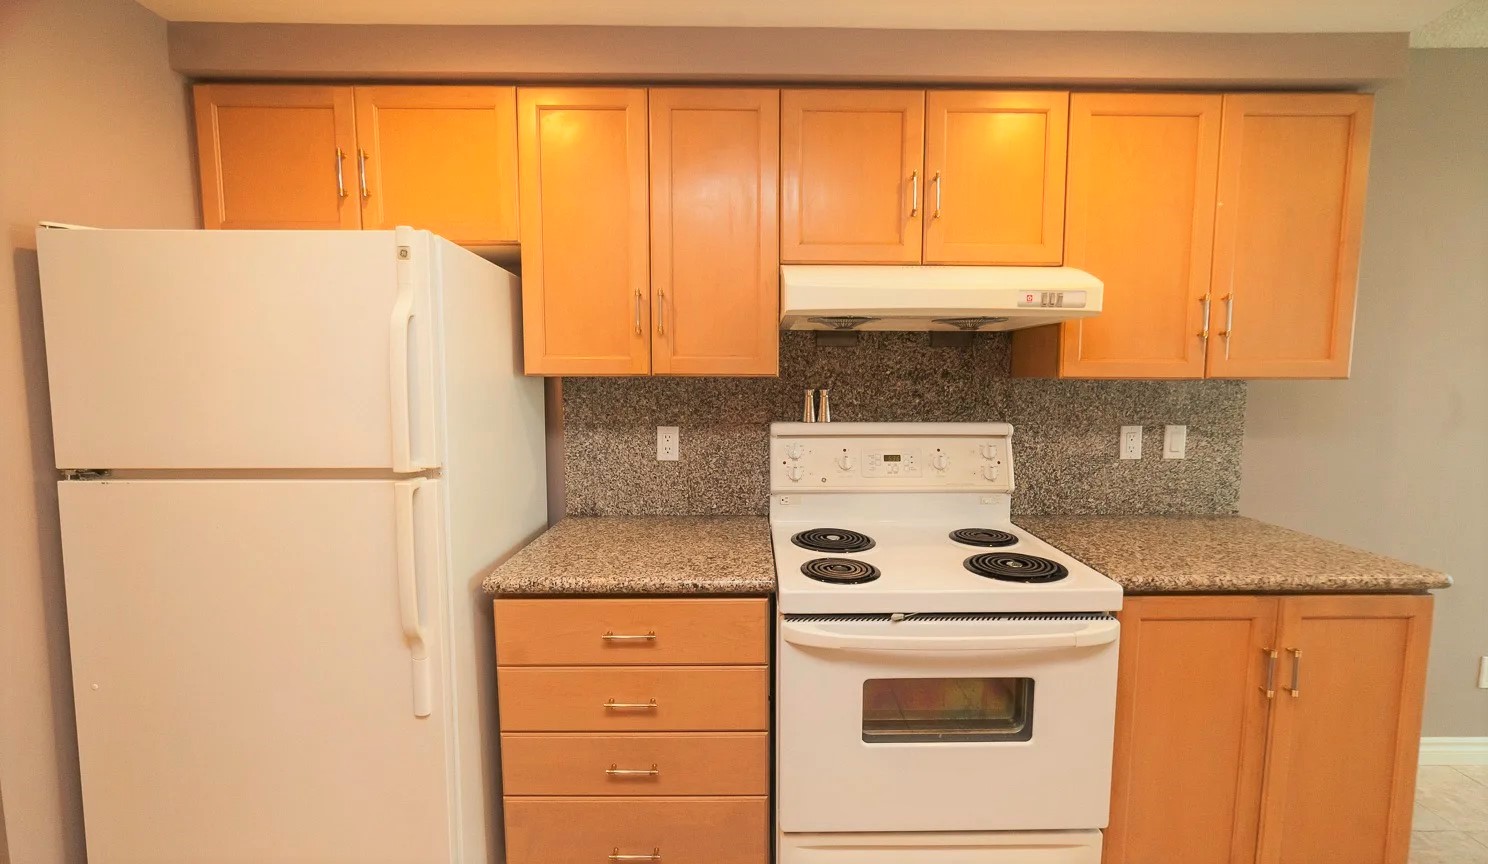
1180 16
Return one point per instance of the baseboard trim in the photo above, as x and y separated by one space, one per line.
1454 751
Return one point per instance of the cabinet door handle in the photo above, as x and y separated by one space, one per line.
612 705
362 173
914 195
610 636
1204 333
638 311
654 856
616 771
1229 301
1296 688
1269 688
660 313
340 174
936 181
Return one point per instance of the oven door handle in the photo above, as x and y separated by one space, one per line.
1094 633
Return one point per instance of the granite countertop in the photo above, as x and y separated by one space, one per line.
643 555
1207 554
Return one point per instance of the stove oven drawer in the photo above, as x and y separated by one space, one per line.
637 830
645 763
633 699
647 632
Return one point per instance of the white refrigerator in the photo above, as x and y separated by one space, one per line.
289 458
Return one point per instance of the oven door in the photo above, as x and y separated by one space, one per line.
945 722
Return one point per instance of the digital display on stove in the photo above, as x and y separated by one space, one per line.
891 457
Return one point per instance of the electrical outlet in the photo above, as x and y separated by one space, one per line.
1131 442
1483 672
668 444
1175 441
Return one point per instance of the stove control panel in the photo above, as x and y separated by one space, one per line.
819 461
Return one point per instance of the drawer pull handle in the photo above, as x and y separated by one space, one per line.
617 771
637 706
654 856
611 636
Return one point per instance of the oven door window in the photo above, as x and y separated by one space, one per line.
937 710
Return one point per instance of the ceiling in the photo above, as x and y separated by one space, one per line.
1202 16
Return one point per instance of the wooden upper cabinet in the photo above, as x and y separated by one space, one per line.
1191 716
1341 778
1141 219
1286 253
276 156
715 229
440 158
994 174
852 181
584 226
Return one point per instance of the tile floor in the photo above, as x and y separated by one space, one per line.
1451 820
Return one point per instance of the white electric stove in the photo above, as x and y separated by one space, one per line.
941 672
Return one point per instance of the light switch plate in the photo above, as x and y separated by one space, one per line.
1175 441
1483 673
668 443
1131 442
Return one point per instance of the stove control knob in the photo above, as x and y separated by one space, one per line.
845 462
990 472
795 472
989 451
940 461
795 451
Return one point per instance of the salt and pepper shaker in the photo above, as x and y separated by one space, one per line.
824 409
808 410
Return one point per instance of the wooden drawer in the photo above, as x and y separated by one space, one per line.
730 631
687 699
680 830
695 763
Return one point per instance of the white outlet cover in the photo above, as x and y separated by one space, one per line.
1130 445
668 443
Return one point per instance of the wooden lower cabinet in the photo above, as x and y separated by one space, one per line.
1277 730
602 760
570 830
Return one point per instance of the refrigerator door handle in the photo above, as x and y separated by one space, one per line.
398 336
404 492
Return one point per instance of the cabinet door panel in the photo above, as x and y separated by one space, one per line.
994 168
441 158
715 231
1141 219
1291 211
1190 729
852 189
585 255
1341 779
276 156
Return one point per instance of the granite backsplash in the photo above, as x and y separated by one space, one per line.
1064 441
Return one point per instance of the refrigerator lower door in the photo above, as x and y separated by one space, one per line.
245 671
240 349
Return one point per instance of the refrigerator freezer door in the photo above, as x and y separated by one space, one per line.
239 349
246 687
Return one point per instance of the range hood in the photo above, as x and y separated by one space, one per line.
965 299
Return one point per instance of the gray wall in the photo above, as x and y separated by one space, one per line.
92 130
1393 460
1064 440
